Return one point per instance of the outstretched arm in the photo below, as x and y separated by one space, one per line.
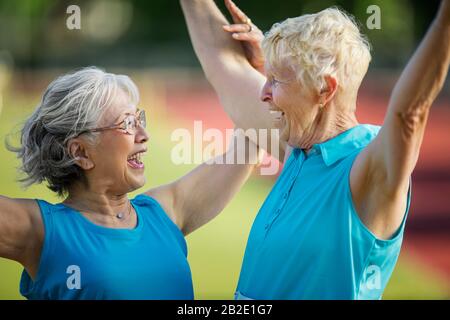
381 172
199 196
223 59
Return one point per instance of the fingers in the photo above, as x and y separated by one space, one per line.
241 32
243 29
237 28
245 37
236 13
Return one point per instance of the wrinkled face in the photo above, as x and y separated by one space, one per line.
117 156
293 105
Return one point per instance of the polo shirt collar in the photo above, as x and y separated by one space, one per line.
346 143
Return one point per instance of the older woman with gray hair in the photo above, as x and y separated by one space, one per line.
86 140
333 224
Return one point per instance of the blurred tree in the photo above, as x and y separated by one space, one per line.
395 39
139 33
21 27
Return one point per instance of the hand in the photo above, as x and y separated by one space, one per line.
250 35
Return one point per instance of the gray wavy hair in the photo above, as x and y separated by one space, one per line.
71 104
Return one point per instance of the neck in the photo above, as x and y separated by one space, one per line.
331 121
87 200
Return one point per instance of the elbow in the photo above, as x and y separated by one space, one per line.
414 119
211 74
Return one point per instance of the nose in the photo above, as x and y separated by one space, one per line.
266 92
141 135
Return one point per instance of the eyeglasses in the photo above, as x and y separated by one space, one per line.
129 124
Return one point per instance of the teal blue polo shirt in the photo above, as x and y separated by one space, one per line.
307 241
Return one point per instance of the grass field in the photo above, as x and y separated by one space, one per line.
215 250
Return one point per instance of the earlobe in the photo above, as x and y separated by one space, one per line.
327 94
85 163
79 154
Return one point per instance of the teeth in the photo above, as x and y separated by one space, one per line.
137 156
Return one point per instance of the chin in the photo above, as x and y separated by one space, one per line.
140 183
136 184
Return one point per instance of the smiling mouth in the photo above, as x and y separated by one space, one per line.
135 160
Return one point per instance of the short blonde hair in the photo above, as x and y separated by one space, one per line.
315 45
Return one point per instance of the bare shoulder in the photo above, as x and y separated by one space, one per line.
20 212
22 230
165 195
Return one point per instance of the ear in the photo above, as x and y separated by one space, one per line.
79 152
327 93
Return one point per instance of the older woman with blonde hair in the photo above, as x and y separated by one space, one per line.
333 224
86 139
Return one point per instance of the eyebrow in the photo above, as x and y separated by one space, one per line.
126 114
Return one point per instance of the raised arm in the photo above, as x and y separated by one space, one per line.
21 232
199 196
236 82
381 173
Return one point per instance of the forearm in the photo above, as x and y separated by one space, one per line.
425 74
214 47
235 81
395 152
204 192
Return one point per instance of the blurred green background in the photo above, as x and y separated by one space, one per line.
139 33
148 40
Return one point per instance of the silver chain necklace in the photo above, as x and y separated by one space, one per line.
121 216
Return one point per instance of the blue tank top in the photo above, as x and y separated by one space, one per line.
82 260
307 241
